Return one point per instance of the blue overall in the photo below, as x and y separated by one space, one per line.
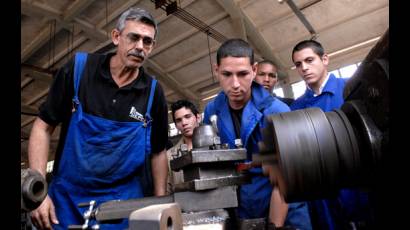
330 98
351 205
100 160
254 198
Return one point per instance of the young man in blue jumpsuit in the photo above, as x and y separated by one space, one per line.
351 209
241 109
114 117
267 76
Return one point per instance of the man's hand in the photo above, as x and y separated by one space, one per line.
44 215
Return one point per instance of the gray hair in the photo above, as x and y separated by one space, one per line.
136 14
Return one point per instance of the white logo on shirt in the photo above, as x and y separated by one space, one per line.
136 115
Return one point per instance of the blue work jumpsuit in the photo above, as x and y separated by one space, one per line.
99 161
254 198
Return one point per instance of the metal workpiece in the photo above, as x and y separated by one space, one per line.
33 189
211 219
252 224
209 171
204 184
88 215
157 217
319 152
208 156
204 136
223 197
119 209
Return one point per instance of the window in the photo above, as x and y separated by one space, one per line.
298 88
348 71
172 130
336 73
279 92
50 165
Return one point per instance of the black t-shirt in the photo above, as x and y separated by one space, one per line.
100 96
236 115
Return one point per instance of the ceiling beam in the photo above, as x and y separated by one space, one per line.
91 30
117 12
191 59
75 9
60 55
187 34
170 81
38 8
26 81
36 72
27 121
37 97
29 110
41 39
245 27
232 8
63 20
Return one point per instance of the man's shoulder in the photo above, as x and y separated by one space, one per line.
299 102
276 106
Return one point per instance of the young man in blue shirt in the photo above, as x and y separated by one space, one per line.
241 109
350 210
267 76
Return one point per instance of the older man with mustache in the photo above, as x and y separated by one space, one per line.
114 126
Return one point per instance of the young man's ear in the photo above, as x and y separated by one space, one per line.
254 70
215 70
325 59
198 118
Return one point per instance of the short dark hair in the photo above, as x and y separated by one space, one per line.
139 15
183 103
266 61
269 62
235 47
314 45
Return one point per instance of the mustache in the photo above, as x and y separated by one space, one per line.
137 53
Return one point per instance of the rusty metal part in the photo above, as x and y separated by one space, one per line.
205 184
208 156
252 224
33 189
119 209
210 168
212 219
156 217
224 197
203 137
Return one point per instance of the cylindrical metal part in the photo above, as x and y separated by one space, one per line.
33 189
317 152
203 137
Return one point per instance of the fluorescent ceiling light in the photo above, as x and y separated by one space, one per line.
210 97
354 46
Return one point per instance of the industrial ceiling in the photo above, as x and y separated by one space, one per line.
53 30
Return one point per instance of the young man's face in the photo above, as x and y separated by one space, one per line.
266 75
235 76
310 66
135 42
186 121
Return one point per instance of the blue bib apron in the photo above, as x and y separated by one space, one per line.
100 160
